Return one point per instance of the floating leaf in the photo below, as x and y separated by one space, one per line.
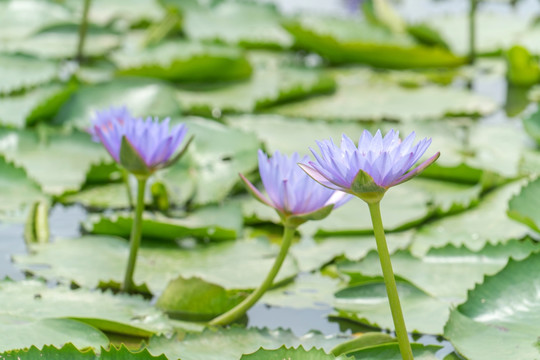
523 207
91 259
19 72
367 303
500 318
391 352
143 97
353 41
485 223
60 41
231 343
210 168
182 60
273 81
70 352
446 273
58 161
365 96
213 223
18 192
104 12
523 69
260 25
19 332
111 196
197 300
33 105
531 124
288 353
123 314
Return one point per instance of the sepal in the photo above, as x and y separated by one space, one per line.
131 160
181 153
366 189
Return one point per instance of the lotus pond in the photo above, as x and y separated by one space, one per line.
276 75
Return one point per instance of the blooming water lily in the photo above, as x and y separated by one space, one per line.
368 171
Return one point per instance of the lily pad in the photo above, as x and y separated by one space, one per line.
273 81
391 352
475 228
70 352
18 192
33 105
39 153
182 60
210 168
500 317
402 207
359 41
123 314
19 19
91 259
197 300
367 303
212 223
143 97
448 272
231 343
59 41
365 96
523 206
111 196
289 353
104 12
19 72
22 332
260 25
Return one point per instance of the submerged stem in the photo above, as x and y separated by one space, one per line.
83 28
390 282
135 239
248 302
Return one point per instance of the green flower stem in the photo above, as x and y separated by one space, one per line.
135 239
83 29
248 302
125 177
390 282
472 30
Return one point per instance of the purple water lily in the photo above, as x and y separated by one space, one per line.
386 162
151 141
290 191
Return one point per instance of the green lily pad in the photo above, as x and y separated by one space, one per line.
19 19
365 96
104 12
58 161
494 32
273 81
309 291
356 41
19 332
59 41
448 272
500 317
289 353
143 97
231 343
33 105
475 228
19 72
197 300
313 254
288 135
402 207
18 192
391 352
260 25
523 206
109 196
91 259
210 168
123 314
182 60
213 223
531 124
367 303
70 352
